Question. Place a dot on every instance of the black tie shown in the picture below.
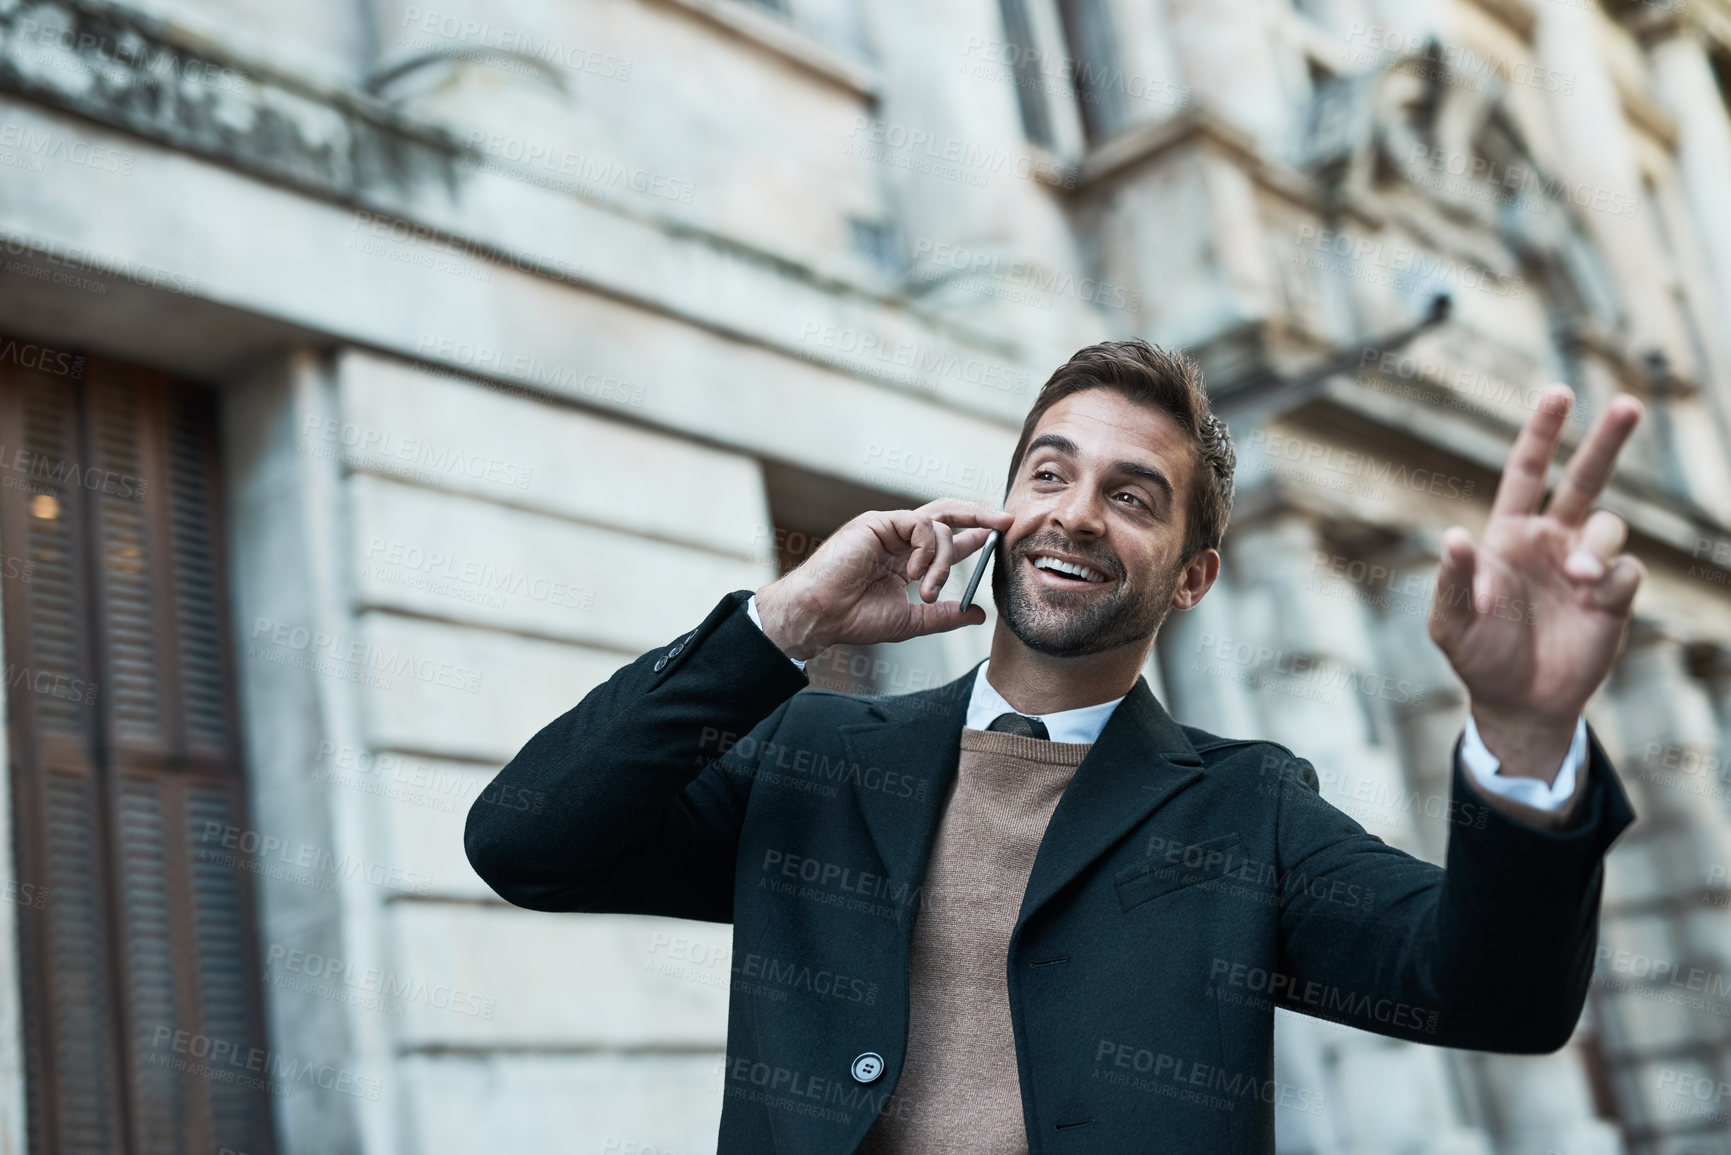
(1013, 723)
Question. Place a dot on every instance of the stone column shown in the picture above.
(1397, 583)
(1305, 649)
(1665, 954)
(1595, 154)
(286, 510)
(1684, 79)
(1532, 1105)
(1321, 689)
(1218, 705)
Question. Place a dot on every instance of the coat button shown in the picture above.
(661, 663)
(674, 652)
(867, 1067)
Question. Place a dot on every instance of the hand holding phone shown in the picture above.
(854, 588)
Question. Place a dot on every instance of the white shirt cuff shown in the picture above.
(751, 611)
(1483, 766)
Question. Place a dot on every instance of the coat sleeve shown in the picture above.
(631, 802)
(1493, 953)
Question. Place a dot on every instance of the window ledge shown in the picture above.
(786, 41)
(1144, 142)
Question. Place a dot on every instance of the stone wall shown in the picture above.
(535, 321)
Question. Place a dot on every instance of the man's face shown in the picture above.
(1104, 485)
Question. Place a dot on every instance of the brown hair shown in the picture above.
(1171, 383)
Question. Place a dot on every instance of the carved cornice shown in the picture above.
(127, 70)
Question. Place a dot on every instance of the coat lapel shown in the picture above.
(1140, 760)
(921, 737)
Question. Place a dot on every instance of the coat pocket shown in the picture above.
(1198, 862)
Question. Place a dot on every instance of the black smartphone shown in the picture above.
(986, 552)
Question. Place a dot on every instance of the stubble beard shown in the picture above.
(1076, 623)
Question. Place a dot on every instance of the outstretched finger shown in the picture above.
(1452, 611)
(1590, 468)
(1523, 481)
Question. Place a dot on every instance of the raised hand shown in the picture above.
(1532, 618)
(854, 588)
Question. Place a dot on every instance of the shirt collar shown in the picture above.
(1082, 724)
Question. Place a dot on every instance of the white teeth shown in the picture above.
(1057, 565)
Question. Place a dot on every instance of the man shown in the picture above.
(1028, 910)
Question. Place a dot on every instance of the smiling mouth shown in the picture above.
(1061, 574)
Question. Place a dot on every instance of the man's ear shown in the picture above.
(1196, 579)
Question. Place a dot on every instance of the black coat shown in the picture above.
(1187, 885)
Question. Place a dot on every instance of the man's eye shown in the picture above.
(1135, 499)
(1044, 473)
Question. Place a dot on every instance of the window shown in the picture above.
(1030, 91)
(844, 668)
(1098, 78)
(139, 972)
(806, 508)
(1073, 90)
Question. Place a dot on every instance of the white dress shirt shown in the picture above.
(1084, 724)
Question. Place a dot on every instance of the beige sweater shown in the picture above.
(959, 1092)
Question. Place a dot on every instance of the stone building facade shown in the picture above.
(533, 327)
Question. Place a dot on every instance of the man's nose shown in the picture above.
(1079, 514)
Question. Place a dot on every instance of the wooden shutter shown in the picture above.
(141, 969)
